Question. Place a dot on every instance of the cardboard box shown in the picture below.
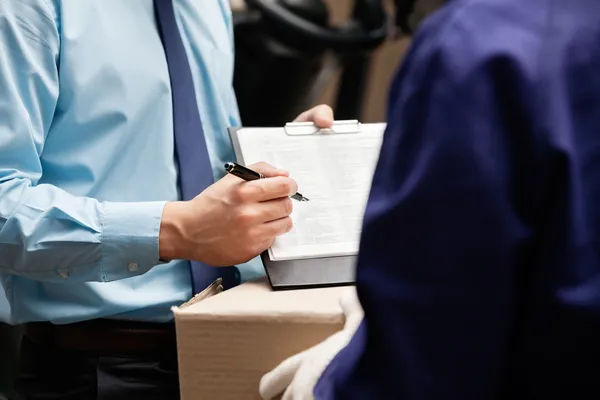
(226, 342)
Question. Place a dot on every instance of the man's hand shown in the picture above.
(230, 222)
(233, 221)
(297, 376)
(321, 115)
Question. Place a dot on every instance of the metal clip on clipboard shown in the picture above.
(309, 128)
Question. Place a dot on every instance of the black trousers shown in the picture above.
(10, 339)
(46, 372)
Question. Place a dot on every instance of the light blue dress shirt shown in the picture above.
(86, 153)
(4, 306)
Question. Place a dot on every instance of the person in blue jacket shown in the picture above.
(479, 270)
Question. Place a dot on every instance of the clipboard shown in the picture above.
(310, 272)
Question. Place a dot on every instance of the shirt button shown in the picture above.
(63, 274)
(132, 267)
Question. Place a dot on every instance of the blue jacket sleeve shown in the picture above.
(449, 226)
(45, 232)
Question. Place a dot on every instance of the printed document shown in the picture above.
(334, 171)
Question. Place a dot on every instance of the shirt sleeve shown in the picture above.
(46, 233)
(449, 225)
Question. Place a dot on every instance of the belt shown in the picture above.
(105, 337)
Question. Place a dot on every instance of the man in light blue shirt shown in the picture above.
(89, 194)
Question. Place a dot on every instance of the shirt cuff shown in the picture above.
(130, 234)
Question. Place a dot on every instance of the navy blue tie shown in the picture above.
(195, 171)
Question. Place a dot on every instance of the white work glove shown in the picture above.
(297, 376)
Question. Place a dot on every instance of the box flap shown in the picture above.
(213, 289)
(257, 301)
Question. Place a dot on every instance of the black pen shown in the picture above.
(248, 175)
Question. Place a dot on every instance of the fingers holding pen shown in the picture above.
(266, 189)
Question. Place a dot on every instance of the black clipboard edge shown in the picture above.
(309, 273)
(316, 272)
